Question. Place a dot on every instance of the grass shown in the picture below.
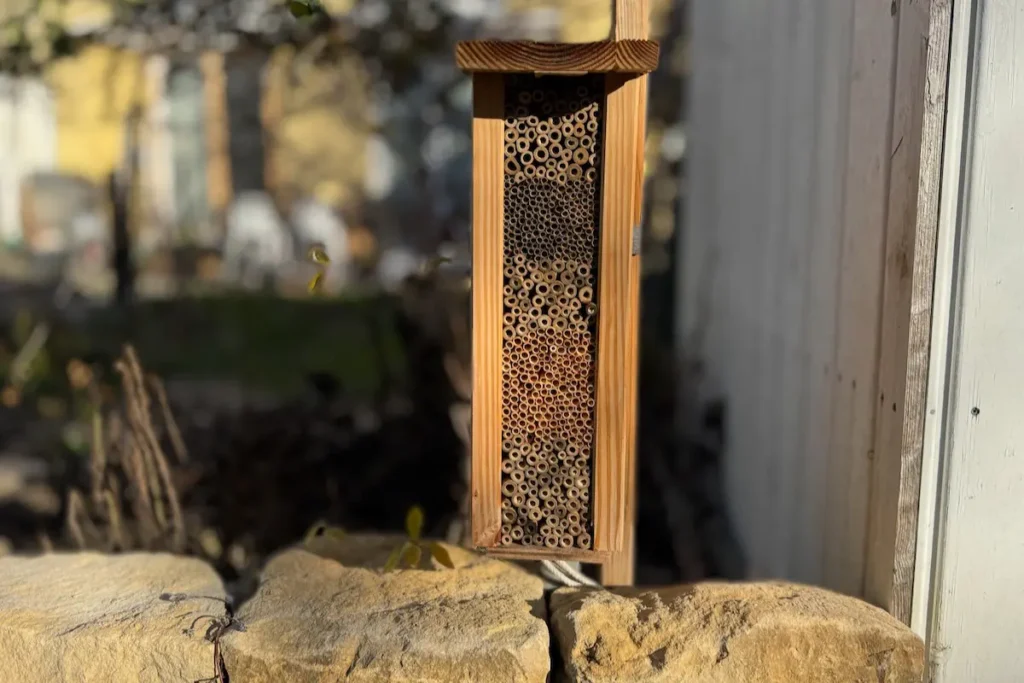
(264, 342)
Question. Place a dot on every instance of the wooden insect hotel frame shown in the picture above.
(558, 141)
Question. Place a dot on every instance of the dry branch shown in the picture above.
(128, 463)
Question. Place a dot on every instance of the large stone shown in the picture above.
(731, 633)
(92, 617)
(333, 615)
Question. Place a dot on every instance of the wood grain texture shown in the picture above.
(631, 19)
(919, 337)
(488, 245)
(615, 411)
(907, 291)
(525, 56)
(626, 115)
(934, 500)
(619, 569)
(616, 339)
(525, 553)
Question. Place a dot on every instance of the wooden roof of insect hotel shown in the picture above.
(557, 59)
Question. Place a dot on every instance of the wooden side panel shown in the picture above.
(909, 279)
(631, 20)
(618, 280)
(923, 287)
(619, 568)
(488, 218)
(520, 552)
(626, 117)
(949, 101)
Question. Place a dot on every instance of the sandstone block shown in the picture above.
(332, 615)
(731, 633)
(83, 617)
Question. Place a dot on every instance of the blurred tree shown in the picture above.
(417, 162)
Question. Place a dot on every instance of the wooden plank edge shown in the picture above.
(630, 20)
(525, 56)
(619, 570)
(539, 554)
(487, 249)
(615, 413)
(915, 396)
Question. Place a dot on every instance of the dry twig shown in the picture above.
(128, 463)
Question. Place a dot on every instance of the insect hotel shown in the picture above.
(558, 139)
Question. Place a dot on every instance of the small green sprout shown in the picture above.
(318, 256)
(410, 553)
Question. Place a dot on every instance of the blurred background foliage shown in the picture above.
(141, 142)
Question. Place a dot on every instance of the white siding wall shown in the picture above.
(28, 143)
(971, 553)
(781, 262)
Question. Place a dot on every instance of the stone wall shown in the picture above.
(327, 612)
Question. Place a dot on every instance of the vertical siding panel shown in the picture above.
(780, 267)
(860, 291)
(771, 467)
(746, 245)
(834, 33)
(794, 260)
(898, 294)
(978, 620)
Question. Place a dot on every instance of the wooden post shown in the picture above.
(488, 246)
(558, 135)
(626, 120)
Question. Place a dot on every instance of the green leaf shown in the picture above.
(392, 561)
(412, 555)
(440, 554)
(314, 284)
(414, 522)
